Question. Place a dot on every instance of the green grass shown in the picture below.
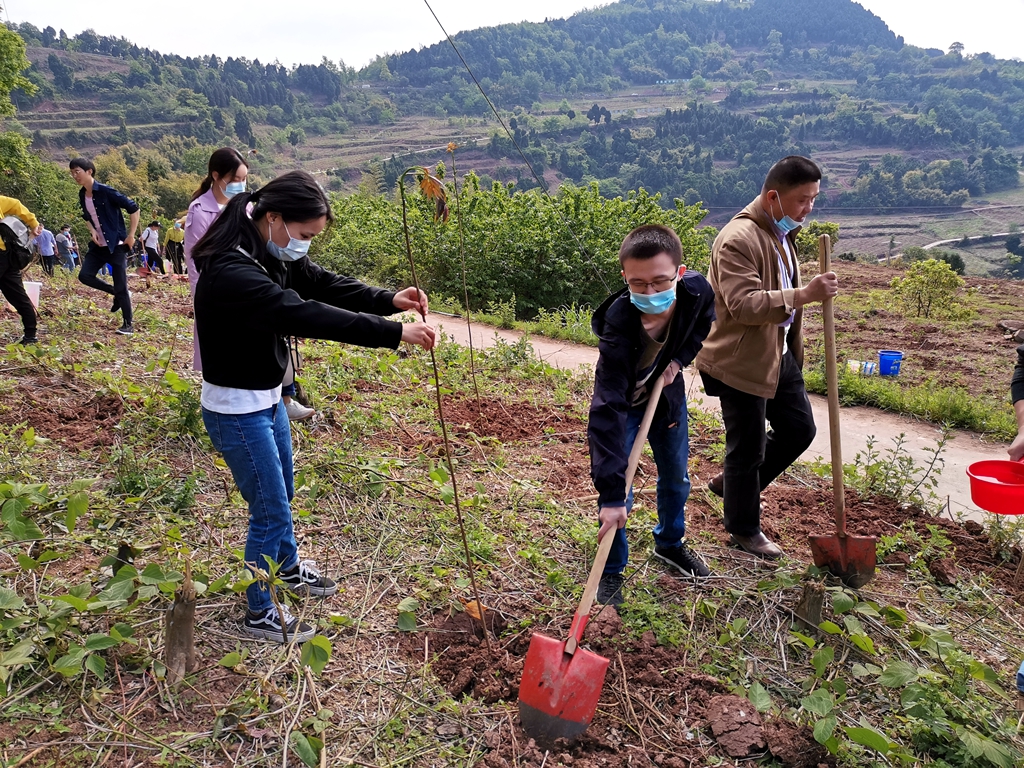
(945, 405)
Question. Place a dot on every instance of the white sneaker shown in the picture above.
(283, 628)
(297, 411)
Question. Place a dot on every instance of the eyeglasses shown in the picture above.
(661, 284)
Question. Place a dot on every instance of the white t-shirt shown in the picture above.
(238, 401)
(151, 238)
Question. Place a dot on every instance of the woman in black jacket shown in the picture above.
(256, 288)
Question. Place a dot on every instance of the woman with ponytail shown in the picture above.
(257, 287)
(225, 178)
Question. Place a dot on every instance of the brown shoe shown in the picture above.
(717, 485)
(759, 545)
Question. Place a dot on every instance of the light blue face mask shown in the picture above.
(653, 303)
(234, 188)
(786, 224)
(295, 250)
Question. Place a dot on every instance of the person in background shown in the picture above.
(150, 240)
(1017, 395)
(66, 248)
(753, 358)
(46, 244)
(256, 287)
(102, 208)
(11, 285)
(225, 178)
(174, 246)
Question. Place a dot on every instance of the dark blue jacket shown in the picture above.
(617, 325)
(109, 204)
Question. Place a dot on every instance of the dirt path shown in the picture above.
(859, 423)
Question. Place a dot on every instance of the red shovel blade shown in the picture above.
(558, 693)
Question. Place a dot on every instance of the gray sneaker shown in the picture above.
(275, 628)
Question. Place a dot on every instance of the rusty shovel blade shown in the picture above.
(558, 694)
(850, 558)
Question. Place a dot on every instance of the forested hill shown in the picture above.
(642, 41)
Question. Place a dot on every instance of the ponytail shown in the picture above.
(224, 162)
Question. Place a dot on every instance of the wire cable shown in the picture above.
(540, 182)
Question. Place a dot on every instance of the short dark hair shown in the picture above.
(647, 241)
(154, 223)
(791, 172)
(84, 164)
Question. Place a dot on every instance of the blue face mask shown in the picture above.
(653, 303)
(234, 188)
(295, 250)
(786, 224)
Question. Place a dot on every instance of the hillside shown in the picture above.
(692, 100)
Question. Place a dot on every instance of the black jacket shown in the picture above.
(1017, 383)
(617, 324)
(108, 203)
(244, 310)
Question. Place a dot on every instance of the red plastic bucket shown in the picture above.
(998, 486)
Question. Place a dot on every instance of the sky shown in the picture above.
(356, 31)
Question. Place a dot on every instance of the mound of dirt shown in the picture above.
(794, 745)
(509, 421)
(66, 417)
(736, 726)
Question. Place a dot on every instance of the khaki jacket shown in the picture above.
(744, 348)
(11, 207)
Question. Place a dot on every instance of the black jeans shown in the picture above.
(93, 262)
(176, 254)
(48, 264)
(14, 291)
(754, 457)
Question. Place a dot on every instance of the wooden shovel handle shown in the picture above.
(579, 621)
(832, 378)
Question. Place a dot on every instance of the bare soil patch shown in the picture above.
(69, 416)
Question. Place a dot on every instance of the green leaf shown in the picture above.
(122, 631)
(810, 642)
(18, 654)
(864, 643)
(315, 654)
(820, 702)
(78, 505)
(96, 664)
(70, 664)
(759, 697)
(898, 674)
(870, 738)
(843, 602)
(219, 584)
(824, 728)
(26, 562)
(98, 642)
(10, 600)
(408, 605)
(407, 621)
(75, 602)
(822, 659)
(306, 751)
(830, 627)
(231, 660)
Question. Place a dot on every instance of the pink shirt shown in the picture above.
(90, 206)
(203, 211)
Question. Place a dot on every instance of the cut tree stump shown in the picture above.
(180, 622)
(808, 611)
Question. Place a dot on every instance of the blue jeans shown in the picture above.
(94, 260)
(258, 449)
(671, 447)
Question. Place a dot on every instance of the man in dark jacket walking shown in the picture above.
(102, 208)
(653, 327)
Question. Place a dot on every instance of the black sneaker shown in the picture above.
(125, 330)
(28, 338)
(683, 559)
(609, 590)
(304, 577)
(267, 625)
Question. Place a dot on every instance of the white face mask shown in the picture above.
(295, 250)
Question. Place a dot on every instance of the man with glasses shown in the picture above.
(753, 358)
(652, 328)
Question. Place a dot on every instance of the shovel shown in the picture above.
(850, 558)
(561, 681)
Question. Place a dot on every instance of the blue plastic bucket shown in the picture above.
(889, 362)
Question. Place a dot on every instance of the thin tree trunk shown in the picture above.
(179, 645)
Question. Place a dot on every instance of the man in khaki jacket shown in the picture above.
(753, 357)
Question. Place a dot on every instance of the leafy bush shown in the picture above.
(929, 289)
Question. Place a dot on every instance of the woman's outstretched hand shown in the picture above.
(411, 298)
(419, 333)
